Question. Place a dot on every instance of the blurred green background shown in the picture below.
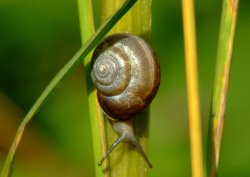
(38, 37)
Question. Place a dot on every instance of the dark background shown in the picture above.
(38, 37)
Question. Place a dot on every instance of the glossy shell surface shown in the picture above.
(126, 74)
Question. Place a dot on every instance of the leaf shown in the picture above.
(62, 74)
(222, 73)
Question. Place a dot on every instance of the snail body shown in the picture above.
(126, 74)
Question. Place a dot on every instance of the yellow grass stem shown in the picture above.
(192, 88)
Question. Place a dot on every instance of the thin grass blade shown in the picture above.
(66, 70)
(220, 90)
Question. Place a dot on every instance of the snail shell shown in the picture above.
(126, 74)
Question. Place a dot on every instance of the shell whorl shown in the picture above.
(111, 71)
(126, 74)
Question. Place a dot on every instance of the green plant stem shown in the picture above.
(95, 113)
(222, 72)
(65, 71)
(125, 160)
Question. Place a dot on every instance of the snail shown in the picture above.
(126, 73)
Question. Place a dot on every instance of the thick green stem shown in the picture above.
(218, 107)
(125, 160)
(95, 113)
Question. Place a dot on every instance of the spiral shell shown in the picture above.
(126, 74)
